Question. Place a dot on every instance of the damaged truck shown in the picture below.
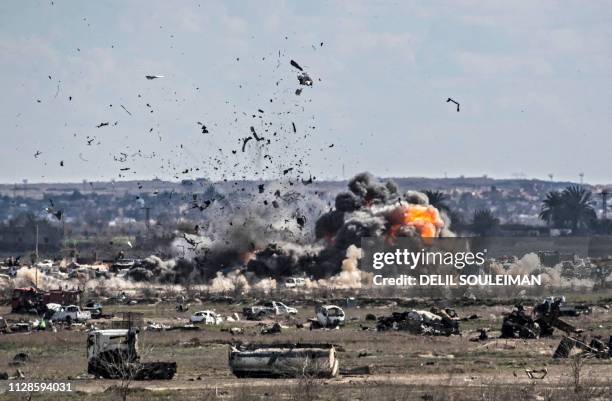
(113, 354)
(283, 360)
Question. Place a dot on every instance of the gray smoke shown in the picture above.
(274, 242)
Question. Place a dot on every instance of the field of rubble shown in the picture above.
(391, 364)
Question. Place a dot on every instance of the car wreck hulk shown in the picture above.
(540, 323)
(113, 354)
(437, 322)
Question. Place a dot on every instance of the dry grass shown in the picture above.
(405, 367)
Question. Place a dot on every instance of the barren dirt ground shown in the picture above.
(403, 366)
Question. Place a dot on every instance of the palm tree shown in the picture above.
(577, 203)
(570, 208)
(438, 199)
(552, 209)
(484, 222)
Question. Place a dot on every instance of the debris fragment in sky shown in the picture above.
(304, 79)
(261, 188)
(294, 130)
(453, 101)
(38, 153)
(287, 170)
(150, 77)
(204, 129)
(102, 125)
(245, 141)
(296, 65)
(257, 138)
(126, 110)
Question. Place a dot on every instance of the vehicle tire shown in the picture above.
(68, 320)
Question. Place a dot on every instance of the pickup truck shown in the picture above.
(70, 313)
(266, 309)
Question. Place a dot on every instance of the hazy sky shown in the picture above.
(533, 79)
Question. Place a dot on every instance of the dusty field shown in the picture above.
(404, 366)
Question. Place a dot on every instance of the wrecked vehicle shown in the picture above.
(295, 282)
(95, 308)
(70, 313)
(596, 348)
(541, 323)
(283, 360)
(32, 300)
(266, 309)
(113, 354)
(442, 323)
(206, 317)
(328, 316)
(564, 309)
(518, 324)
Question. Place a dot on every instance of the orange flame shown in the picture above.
(424, 218)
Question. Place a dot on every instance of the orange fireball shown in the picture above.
(424, 218)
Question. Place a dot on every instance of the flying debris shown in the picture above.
(38, 153)
(203, 206)
(257, 138)
(301, 221)
(294, 129)
(150, 77)
(261, 188)
(126, 110)
(204, 129)
(296, 65)
(298, 91)
(61, 163)
(308, 181)
(102, 125)
(304, 79)
(453, 101)
(287, 170)
(245, 141)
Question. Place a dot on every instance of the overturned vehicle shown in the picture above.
(113, 354)
(283, 360)
(437, 322)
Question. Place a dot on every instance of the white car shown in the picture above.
(206, 317)
(45, 264)
(295, 282)
(330, 316)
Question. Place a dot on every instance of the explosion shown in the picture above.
(425, 219)
(260, 251)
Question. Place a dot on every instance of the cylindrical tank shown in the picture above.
(283, 360)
